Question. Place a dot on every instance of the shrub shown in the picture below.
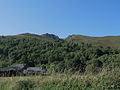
(25, 85)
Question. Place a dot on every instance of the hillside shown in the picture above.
(91, 66)
(56, 54)
(42, 37)
(107, 41)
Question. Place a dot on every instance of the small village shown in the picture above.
(20, 70)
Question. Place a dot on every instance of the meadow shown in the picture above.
(103, 81)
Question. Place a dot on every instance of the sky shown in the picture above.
(60, 17)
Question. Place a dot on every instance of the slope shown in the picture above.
(107, 41)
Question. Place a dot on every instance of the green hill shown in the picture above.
(42, 37)
(108, 41)
(60, 55)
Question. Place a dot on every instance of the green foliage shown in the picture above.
(4, 63)
(25, 85)
(56, 54)
(103, 81)
(62, 56)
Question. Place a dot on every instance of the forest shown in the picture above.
(58, 55)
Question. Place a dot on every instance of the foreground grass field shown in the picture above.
(102, 81)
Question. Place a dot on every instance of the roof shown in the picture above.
(19, 66)
(6, 68)
(13, 67)
(35, 69)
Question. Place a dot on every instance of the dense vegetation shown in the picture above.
(102, 81)
(56, 54)
(72, 66)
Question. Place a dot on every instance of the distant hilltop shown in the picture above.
(108, 41)
(47, 35)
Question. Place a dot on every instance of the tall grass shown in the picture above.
(102, 81)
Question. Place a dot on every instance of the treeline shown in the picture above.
(57, 55)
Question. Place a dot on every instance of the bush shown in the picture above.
(25, 85)
(94, 67)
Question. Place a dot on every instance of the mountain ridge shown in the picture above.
(109, 41)
(106, 41)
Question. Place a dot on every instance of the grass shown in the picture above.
(101, 81)
(108, 41)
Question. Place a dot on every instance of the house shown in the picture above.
(7, 71)
(34, 71)
(19, 67)
(14, 70)
(21, 70)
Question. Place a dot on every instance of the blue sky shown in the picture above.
(60, 17)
